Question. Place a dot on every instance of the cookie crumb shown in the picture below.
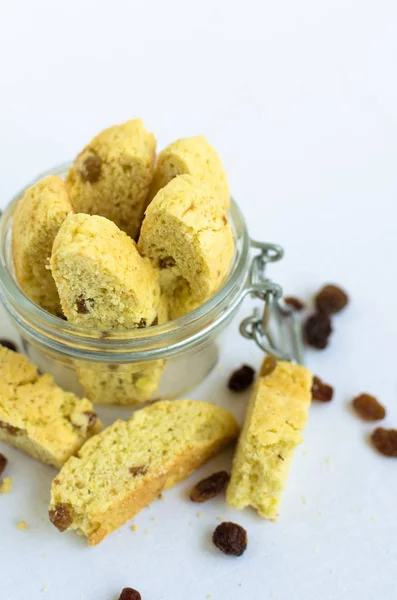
(44, 588)
(331, 299)
(321, 391)
(199, 515)
(304, 499)
(134, 527)
(294, 303)
(6, 485)
(153, 518)
(22, 525)
(209, 487)
(230, 538)
(220, 519)
(368, 407)
(385, 441)
(317, 329)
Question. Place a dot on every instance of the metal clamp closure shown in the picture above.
(276, 329)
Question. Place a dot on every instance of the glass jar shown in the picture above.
(134, 366)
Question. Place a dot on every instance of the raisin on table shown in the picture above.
(317, 330)
(321, 391)
(368, 407)
(385, 441)
(331, 299)
(241, 379)
(230, 538)
(209, 487)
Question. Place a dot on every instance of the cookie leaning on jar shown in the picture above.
(187, 235)
(37, 219)
(105, 284)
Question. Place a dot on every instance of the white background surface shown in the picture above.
(300, 100)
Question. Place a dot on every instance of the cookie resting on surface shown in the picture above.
(124, 468)
(277, 413)
(38, 417)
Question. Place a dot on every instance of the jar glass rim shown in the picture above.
(76, 340)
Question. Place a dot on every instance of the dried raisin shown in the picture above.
(331, 300)
(81, 304)
(385, 441)
(92, 419)
(317, 330)
(167, 262)
(141, 470)
(241, 379)
(230, 538)
(61, 517)
(369, 408)
(294, 303)
(210, 487)
(129, 594)
(8, 344)
(3, 463)
(268, 366)
(321, 391)
(91, 169)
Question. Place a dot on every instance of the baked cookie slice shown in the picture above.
(112, 175)
(123, 384)
(123, 469)
(187, 235)
(276, 415)
(192, 156)
(102, 280)
(36, 221)
(38, 417)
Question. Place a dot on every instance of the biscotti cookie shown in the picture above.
(123, 469)
(276, 415)
(118, 384)
(39, 418)
(192, 156)
(112, 175)
(36, 221)
(187, 235)
(102, 280)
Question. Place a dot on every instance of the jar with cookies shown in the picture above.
(121, 269)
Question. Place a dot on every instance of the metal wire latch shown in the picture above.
(277, 329)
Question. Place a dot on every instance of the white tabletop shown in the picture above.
(300, 100)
